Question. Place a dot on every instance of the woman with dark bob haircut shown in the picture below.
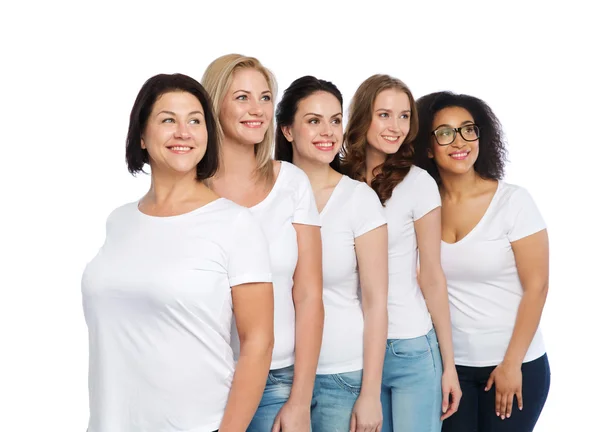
(495, 257)
(175, 268)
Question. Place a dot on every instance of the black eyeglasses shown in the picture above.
(445, 135)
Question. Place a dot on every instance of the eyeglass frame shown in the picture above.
(455, 130)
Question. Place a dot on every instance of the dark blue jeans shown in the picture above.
(477, 410)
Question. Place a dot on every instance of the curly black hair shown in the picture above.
(492, 149)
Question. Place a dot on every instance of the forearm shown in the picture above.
(309, 334)
(526, 324)
(436, 296)
(248, 385)
(375, 339)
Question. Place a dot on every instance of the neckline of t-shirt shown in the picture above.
(483, 218)
(332, 196)
(275, 186)
(174, 217)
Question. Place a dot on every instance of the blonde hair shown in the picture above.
(217, 79)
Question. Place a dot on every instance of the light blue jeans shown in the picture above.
(411, 389)
(333, 400)
(277, 392)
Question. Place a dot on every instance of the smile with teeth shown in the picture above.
(179, 148)
(324, 145)
(459, 155)
(252, 124)
(391, 139)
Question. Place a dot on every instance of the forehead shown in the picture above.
(247, 78)
(319, 100)
(454, 116)
(177, 101)
(392, 99)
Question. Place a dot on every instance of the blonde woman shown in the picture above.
(280, 196)
(420, 384)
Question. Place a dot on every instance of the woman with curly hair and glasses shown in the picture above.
(419, 384)
(495, 257)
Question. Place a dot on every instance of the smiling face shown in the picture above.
(175, 135)
(390, 122)
(247, 109)
(316, 133)
(458, 157)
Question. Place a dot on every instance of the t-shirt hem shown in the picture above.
(371, 227)
(411, 335)
(496, 362)
(211, 427)
(250, 278)
(280, 364)
(353, 366)
(514, 238)
(419, 215)
(302, 221)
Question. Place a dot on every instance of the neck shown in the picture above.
(237, 160)
(373, 159)
(319, 174)
(457, 186)
(168, 188)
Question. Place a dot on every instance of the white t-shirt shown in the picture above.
(412, 198)
(352, 210)
(291, 201)
(483, 284)
(157, 302)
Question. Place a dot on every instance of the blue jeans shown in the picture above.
(411, 389)
(277, 392)
(333, 399)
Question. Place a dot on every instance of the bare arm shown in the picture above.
(433, 285)
(308, 302)
(253, 309)
(531, 256)
(433, 281)
(372, 256)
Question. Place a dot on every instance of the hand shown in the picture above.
(509, 383)
(367, 414)
(451, 392)
(292, 418)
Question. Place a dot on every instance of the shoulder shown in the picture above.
(360, 190)
(122, 212)
(513, 194)
(290, 173)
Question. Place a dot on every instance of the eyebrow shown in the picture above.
(389, 110)
(320, 115)
(173, 114)
(248, 91)
(466, 122)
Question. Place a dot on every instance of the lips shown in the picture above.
(391, 138)
(324, 145)
(252, 124)
(461, 155)
(180, 149)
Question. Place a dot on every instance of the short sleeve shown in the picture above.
(306, 212)
(249, 259)
(524, 217)
(367, 211)
(426, 195)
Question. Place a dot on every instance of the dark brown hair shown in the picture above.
(397, 165)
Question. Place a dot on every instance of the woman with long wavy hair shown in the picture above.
(419, 384)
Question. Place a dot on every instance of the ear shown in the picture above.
(287, 133)
(143, 144)
(429, 153)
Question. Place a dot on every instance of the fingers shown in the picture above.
(353, 423)
(455, 401)
(509, 404)
(520, 399)
(498, 402)
(490, 382)
(445, 401)
(277, 424)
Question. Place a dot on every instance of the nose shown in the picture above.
(327, 130)
(182, 131)
(395, 125)
(458, 142)
(256, 109)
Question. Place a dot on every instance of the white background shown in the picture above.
(69, 76)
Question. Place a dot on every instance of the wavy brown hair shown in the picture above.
(354, 163)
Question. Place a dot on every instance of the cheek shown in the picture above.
(372, 132)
